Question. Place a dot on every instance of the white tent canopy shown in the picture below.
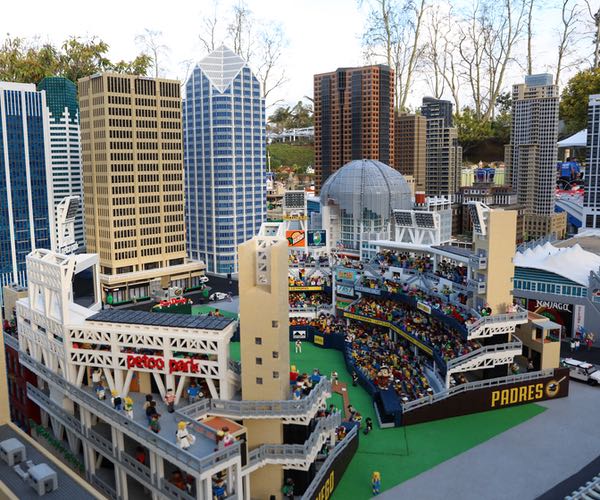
(578, 140)
(573, 263)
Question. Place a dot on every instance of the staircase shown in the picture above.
(295, 456)
(497, 324)
(484, 357)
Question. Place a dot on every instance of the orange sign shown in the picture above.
(296, 238)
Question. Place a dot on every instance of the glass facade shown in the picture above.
(65, 148)
(24, 217)
(224, 157)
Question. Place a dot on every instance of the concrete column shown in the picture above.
(121, 482)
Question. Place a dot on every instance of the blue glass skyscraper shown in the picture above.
(24, 168)
(224, 157)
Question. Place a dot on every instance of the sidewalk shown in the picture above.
(524, 462)
(582, 354)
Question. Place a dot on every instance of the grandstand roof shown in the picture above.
(573, 263)
(588, 239)
(578, 140)
(160, 319)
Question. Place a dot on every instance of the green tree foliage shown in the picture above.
(471, 129)
(26, 61)
(574, 99)
(300, 116)
(287, 154)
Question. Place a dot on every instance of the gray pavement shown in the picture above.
(521, 463)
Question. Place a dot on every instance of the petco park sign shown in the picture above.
(158, 364)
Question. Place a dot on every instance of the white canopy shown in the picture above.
(578, 140)
(573, 263)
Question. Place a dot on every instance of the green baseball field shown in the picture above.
(401, 453)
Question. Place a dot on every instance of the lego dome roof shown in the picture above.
(367, 184)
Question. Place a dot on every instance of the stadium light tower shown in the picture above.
(66, 212)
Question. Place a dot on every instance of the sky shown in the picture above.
(322, 35)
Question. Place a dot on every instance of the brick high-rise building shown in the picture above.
(410, 135)
(532, 154)
(354, 118)
(132, 153)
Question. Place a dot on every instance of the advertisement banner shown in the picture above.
(493, 397)
(344, 274)
(559, 312)
(299, 334)
(296, 238)
(318, 340)
(316, 238)
(578, 317)
(424, 307)
(345, 290)
(305, 288)
(366, 289)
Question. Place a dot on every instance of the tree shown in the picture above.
(574, 99)
(488, 42)
(393, 35)
(595, 19)
(150, 41)
(27, 61)
(569, 16)
(471, 129)
(259, 42)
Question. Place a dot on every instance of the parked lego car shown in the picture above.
(580, 370)
(218, 296)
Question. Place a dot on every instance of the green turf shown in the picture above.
(402, 453)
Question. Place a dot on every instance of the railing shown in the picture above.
(589, 490)
(471, 386)
(103, 445)
(320, 475)
(167, 449)
(476, 286)
(519, 316)
(479, 261)
(234, 366)
(173, 491)
(453, 363)
(295, 452)
(104, 486)
(259, 409)
(11, 341)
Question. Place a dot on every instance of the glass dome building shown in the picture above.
(359, 198)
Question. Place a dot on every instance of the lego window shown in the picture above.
(259, 380)
(258, 340)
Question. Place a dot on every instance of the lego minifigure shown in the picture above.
(184, 438)
(376, 483)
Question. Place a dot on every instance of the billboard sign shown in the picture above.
(316, 238)
(296, 238)
(559, 312)
(345, 290)
(344, 274)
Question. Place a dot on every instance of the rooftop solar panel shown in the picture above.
(160, 319)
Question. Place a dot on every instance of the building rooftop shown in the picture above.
(221, 67)
(67, 486)
(160, 319)
(572, 262)
(588, 240)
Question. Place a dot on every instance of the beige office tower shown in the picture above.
(410, 135)
(494, 234)
(264, 338)
(532, 154)
(133, 185)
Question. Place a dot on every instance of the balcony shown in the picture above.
(477, 286)
(478, 261)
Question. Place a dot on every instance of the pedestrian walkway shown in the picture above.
(523, 462)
